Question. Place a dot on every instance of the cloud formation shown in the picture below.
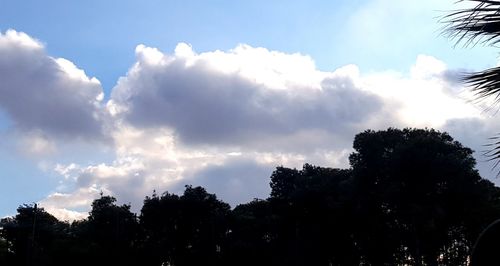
(221, 119)
(246, 96)
(47, 97)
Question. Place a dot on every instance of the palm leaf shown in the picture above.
(493, 152)
(480, 24)
(484, 85)
(477, 24)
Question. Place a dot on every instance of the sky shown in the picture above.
(131, 97)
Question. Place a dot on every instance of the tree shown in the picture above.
(107, 236)
(313, 223)
(252, 234)
(418, 191)
(203, 227)
(5, 253)
(411, 197)
(159, 221)
(34, 237)
(186, 230)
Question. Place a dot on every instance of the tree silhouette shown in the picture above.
(418, 191)
(313, 216)
(5, 253)
(185, 230)
(107, 236)
(410, 197)
(253, 234)
(159, 221)
(34, 236)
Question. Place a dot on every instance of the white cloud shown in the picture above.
(244, 96)
(20, 39)
(47, 96)
(221, 119)
(64, 214)
(424, 97)
(71, 206)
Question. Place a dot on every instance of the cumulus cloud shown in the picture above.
(425, 97)
(221, 119)
(44, 96)
(246, 96)
(150, 160)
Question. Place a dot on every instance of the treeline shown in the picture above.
(410, 197)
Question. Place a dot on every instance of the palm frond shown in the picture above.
(473, 25)
(480, 24)
(484, 85)
(493, 152)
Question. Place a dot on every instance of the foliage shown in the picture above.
(411, 197)
(480, 24)
(34, 236)
(422, 188)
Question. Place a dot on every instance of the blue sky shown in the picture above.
(100, 36)
(206, 92)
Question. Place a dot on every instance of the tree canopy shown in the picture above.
(410, 197)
